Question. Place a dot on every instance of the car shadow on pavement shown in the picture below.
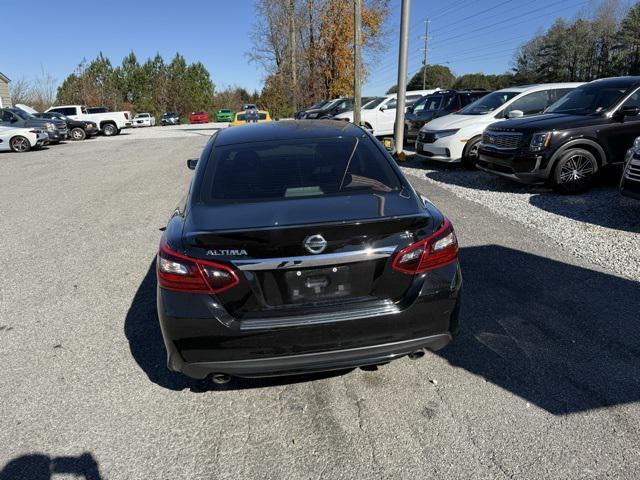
(562, 337)
(37, 466)
(142, 330)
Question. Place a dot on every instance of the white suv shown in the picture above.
(379, 115)
(455, 138)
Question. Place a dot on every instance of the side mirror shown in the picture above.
(629, 111)
(383, 108)
(515, 114)
(191, 163)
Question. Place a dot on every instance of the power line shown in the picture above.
(475, 15)
(447, 10)
(465, 56)
(387, 66)
(446, 39)
(461, 38)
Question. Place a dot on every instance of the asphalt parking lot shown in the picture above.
(543, 381)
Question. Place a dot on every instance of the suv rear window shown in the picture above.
(277, 170)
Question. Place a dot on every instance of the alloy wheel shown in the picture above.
(20, 144)
(576, 169)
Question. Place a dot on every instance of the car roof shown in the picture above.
(286, 130)
(540, 86)
(617, 81)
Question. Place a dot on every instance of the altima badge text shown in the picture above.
(230, 253)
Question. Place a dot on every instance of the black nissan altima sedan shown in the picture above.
(301, 247)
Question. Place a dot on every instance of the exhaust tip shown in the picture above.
(220, 378)
(417, 354)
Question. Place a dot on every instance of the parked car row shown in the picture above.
(377, 115)
(559, 134)
(22, 128)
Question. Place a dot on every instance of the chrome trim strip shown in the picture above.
(315, 260)
(495, 147)
(386, 308)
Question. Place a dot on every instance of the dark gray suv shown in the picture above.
(54, 128)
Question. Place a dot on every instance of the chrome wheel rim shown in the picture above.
(77, 135)
(20, 144)
(577, 168)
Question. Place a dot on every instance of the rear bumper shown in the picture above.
(206, 341)
(317, 362)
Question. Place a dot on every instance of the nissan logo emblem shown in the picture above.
(315, 244)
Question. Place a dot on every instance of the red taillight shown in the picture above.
(126, 115)
(184, 274)
(435, 251)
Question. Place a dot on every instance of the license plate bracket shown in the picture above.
(318, 283)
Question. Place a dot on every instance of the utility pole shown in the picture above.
(292, 48)
(402, 76)
(357, 61)
(425, 50)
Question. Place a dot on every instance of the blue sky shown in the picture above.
(217, 34)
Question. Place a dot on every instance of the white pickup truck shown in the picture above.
(110, 123)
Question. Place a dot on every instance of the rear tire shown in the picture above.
(19, 144)
(109, 130)
(574, 172)
(470, 153)
(78, 134)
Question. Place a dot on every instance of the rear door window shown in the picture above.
(278, 170)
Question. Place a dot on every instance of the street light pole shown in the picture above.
(357, 61)
(402, 75)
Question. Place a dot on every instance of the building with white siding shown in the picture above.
(5, 97)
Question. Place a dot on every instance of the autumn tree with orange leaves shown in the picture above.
(321, 52)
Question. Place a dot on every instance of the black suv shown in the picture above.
(591, 127)
(438, 104)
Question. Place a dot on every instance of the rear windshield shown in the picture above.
(277, 170)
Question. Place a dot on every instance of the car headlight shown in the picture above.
(636, 145)
(444, 133)
(540, 141)
(50, 127)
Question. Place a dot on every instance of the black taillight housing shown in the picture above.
(437, 250)
(181, 273)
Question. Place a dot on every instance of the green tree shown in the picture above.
(481, 80)
(628, 52)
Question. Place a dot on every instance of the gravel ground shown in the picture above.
(542, 383)
(600, 226)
